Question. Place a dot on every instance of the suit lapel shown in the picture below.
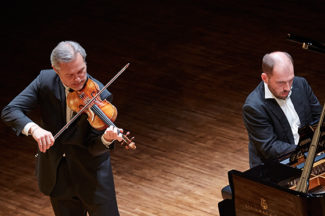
(60, 95)
(274, 107)
(277, 111)
(297, 103)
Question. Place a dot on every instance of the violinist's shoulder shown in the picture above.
(48, 72)
(95, 80)
(48, 78)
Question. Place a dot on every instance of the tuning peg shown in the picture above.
(132, 146)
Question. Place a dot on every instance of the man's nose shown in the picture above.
(76, 78)
(287, 86)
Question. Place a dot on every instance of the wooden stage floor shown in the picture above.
(192, 65)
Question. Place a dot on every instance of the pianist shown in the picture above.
(276, 108)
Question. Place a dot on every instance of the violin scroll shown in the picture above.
(128, 142)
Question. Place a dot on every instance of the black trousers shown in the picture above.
(65, 202)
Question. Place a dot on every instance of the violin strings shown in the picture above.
(103, 117)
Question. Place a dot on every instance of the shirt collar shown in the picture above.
(67, 89)
(269, 94)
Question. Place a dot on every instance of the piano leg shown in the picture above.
(226, 208)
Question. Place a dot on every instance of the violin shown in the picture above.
(101, 113)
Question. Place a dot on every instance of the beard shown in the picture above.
(280, 95)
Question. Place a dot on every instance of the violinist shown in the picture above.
(74, 170)
(275, 110)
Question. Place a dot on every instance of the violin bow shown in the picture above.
(90, 101)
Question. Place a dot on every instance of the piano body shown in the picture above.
(270, 189)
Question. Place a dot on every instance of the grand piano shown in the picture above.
(275, 189)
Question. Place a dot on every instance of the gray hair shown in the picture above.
(66, 51)
(269, 61)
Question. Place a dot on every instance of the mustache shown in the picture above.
(80, 82)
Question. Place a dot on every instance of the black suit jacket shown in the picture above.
(269, 132)
(87, 158)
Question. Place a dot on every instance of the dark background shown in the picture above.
(168, 43)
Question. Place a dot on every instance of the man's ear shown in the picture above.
(264, 77)
(55, 69)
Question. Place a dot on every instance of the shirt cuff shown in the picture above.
(105, 142)
(27, 127)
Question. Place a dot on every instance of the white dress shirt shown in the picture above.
(289, 111)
